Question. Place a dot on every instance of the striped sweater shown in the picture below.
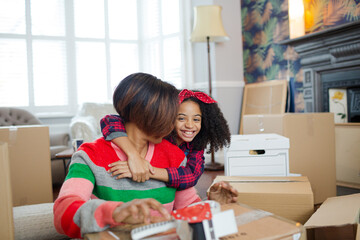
(89, 195)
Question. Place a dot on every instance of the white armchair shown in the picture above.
(86, 124)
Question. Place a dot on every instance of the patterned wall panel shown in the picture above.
(265, 23)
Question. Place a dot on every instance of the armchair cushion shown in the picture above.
(59, 139)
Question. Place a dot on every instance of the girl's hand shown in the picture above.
(223, 193)
(138, 211)
(140, 168)
(120, 168)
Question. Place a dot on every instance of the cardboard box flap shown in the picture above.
(258, 141)
(269, 185)
(262, 179)
(336, 211)
(257, 224)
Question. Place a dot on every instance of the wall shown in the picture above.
(264, 25)
(226, 63)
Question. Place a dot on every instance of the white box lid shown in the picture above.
(258, 142)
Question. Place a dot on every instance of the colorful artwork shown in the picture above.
(323, 14)
(265, 23)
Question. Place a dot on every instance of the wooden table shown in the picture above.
(202, 186)
(65, 155)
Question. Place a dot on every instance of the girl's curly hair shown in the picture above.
(214, 127)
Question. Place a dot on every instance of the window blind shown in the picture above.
(57, 54)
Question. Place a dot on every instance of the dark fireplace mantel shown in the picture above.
(332, 51)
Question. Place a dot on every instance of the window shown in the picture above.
(56, 54)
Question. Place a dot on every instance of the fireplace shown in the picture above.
(330, 59)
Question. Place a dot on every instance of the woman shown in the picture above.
(90, 199)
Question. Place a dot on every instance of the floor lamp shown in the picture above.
(208, 27)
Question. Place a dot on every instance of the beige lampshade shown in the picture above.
(208, 23)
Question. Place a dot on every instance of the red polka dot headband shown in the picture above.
(184, 94)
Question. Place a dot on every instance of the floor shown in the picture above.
(208, 176)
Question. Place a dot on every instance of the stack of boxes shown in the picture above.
(312, 146)
(285, 164)
(257, 165)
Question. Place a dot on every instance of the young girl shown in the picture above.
(199, 122)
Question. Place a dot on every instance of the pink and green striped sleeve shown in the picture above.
(74, 213)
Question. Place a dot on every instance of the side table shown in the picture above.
(65, 155)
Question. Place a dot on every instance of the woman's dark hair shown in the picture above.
(148, 102)
(214, 127)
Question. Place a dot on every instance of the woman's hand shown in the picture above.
(223, 193)
(138, 211)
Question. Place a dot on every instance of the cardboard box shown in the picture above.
(348, 154)
(257, 155)
(312, 146)
(257, 224)
(288, 197)
(30, 163)
(337, 218)
(6, 216)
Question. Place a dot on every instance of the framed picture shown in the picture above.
(338, 104)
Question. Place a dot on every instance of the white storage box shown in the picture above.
(257, 155)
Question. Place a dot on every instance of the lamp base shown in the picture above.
(213, 166)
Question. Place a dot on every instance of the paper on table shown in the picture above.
(220, 225)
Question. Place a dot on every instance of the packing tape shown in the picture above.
(261, 123)
(270, 100)
(12, 135)
(251, 216)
